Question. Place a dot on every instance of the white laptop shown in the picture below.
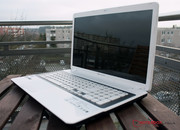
(112, 61)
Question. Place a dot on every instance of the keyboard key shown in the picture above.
(103, 102)
(114, 97)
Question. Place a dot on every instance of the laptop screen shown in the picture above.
(115, 44)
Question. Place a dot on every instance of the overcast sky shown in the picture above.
(64, 9)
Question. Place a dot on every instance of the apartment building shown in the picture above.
(59, 34)
(12, 31)
(169, 37)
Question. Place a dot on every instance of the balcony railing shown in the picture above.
(28, 57)
(6, 51)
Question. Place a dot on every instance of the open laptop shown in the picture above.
(112, 61)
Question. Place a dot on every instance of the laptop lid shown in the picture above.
(116, 45)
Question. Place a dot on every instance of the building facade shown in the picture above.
(169, 37)
(59, 34)
(12, 31)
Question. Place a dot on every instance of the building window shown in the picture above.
(53, 38)
(163, 40)
(68, 38)
(53, 31)
(163, 32)
(171, 32)
(169, 40)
